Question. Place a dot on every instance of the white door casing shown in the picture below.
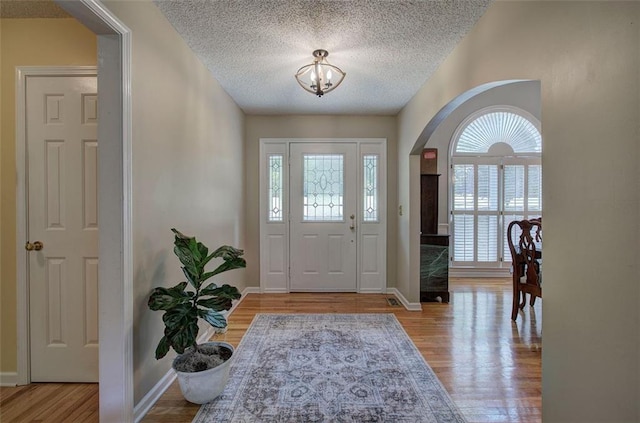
(115, 199)
(61, 138)
(322, 197)
(280, 257)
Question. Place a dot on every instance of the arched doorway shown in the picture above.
(524, 95)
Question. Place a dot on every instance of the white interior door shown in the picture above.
(323, 181)
(61, 128)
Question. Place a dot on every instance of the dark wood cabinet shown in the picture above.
(429, 204)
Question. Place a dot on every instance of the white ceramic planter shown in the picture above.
(205, 386)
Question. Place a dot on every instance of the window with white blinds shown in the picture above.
(489, 190)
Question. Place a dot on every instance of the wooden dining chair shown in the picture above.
(525, 243)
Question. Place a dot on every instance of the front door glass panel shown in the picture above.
(323, 186)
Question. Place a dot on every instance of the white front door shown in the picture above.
(61, 128)
(323, 181)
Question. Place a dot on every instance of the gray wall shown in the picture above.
(586, 55)
(187, 169)
(190, 163)
(305, 126)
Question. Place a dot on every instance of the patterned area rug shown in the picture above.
(299, 368)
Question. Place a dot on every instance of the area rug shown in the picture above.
(299, 368)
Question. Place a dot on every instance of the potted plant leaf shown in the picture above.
(202, 369)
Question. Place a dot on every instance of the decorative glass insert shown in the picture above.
(323, 187)
(370, 179)
(499, 127)
(275, 188)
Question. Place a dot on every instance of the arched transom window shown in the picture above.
(496, 178)
(500, 127)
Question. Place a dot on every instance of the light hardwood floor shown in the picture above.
(490, 365)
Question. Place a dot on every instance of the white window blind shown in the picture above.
(463, 237)
(499, 127)
(464, 187)
(535, 188)
(488, 195)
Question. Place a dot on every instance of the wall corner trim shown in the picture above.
(409, 306)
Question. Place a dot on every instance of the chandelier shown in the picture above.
(320, 77)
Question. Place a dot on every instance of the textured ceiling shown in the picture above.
(31, 9)
(387, 48)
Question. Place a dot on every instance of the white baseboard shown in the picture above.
(8, 379)
(371, 291)
(273, 291)
(142, 408)
(409, 306)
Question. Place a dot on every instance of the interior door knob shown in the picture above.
(37, 245)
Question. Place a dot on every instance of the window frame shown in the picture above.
(476, 159)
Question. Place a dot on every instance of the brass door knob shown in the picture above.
(33, 246)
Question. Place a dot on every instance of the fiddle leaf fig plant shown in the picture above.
(192, 299)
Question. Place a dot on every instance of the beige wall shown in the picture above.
(302, 126)
(26, 42)
(586, 55)
(188, 169)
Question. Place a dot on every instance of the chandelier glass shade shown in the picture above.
(320, 77)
